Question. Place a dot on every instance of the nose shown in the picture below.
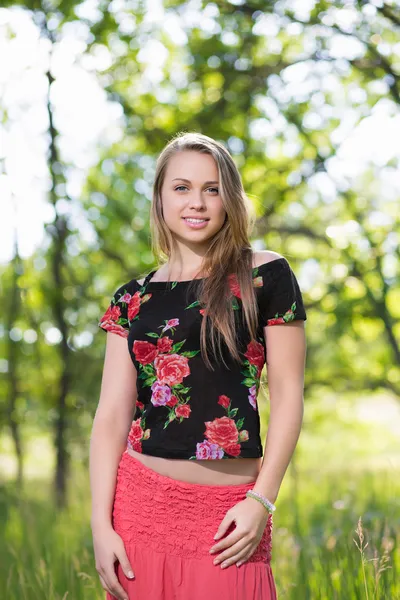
(196, 200)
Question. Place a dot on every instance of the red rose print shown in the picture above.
(224, 401)
(133, 306)
(137, 446)
(145, 352)
(115, 328)
(172, 401)
(139, 405)
(171, 368)
(255, 355)
(258, 282)
(183, 410)
(113, 313)
(202, 311)
(109, 321)
(222, 431)
(277, 321)
(233, 449)
(234, 285)
(164, 344)
(136, 431)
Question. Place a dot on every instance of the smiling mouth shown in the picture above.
(194, 220)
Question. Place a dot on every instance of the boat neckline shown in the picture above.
(164, 282)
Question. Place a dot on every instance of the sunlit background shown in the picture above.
(306, 97)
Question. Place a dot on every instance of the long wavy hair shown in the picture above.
(229, 258)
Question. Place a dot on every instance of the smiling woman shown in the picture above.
(176, 456)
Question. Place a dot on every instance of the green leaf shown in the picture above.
(239, 423)
(195, 303)
(190, 353)
(176, 347)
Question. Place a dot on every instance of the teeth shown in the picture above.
(195, 220)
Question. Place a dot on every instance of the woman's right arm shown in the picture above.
(110, 430)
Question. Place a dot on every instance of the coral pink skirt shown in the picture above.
(167, 526)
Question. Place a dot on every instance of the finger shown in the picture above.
(116, 588)
(245, 558)
(242, 561)
(104, 585)
(124, 562)
(234, 553)
(227, 542)
(224, 525)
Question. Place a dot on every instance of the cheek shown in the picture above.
(171, 207)
(219, 213)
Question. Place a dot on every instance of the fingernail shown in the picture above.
(130, 574)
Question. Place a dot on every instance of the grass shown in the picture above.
(336, 532)
(337, 538)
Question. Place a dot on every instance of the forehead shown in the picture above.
(192, 167)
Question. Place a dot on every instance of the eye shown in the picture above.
(184, 186)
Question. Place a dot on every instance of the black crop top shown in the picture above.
(184, 410)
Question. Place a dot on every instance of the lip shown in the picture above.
(195, 225)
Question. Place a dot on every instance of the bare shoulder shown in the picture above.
(262, 257)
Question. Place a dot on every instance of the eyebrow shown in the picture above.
(188, 180)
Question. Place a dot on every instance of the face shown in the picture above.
(191, 191)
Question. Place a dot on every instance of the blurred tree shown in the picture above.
(283, 85)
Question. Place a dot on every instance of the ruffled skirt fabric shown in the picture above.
(167, 526)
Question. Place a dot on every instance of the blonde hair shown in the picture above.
(229, 251)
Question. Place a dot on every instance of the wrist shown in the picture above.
(266, 503)
(259, 508)
(271, 497)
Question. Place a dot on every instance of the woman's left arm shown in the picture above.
(286, 354)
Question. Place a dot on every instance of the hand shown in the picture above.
(251, 518)
(109, 547)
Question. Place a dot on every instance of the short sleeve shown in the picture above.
(281, 300)
(122, 309)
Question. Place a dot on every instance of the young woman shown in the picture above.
(180, 493)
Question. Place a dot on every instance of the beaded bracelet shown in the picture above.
(264, 501)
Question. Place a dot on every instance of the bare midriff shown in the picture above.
(234, 471)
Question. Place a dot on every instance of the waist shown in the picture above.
(232, 471)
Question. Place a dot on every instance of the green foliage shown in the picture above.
(48, 553)
(234, 72)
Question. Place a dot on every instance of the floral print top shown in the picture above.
(183, 410)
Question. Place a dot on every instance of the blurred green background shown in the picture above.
(306, 97)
